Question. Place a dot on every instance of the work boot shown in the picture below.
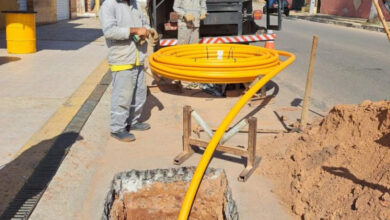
(140, 126)
(123, 136)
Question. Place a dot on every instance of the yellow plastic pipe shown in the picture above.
(201, 63)
(172, 62)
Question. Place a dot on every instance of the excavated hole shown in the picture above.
(158, 194)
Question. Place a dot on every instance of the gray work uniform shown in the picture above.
(129, 88)
(188, 32)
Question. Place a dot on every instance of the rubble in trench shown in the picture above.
(158, 194)
(339, 168)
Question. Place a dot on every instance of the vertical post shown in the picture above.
(381, 17)
(97, 8)
(239, 24)
(187, 150)
(306, 99)
(312, 7)
(187, 128)
(251, 153)
(268, 14)
(280, 4)
(154, 15)
(252, 141)
(263, 92)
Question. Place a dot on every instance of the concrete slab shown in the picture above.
(33, 86)
(79, 188)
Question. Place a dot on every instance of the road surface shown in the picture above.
(352, 65)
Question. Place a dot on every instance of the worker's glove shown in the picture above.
(189, 17)
(203, 16)
(142, 42)
(153, 37)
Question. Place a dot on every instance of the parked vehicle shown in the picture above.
(227, 21)
(273, 6)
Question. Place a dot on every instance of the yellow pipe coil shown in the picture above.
(206, 63)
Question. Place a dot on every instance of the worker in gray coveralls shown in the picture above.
(190, 12)
(124, 27)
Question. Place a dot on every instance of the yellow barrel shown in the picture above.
(20, 32)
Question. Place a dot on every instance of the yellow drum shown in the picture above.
(20, 32)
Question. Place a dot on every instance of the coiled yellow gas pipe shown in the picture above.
(218, 63)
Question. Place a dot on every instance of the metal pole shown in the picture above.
(154, 15)
(268, 14)
(306, 99)
(280, 14)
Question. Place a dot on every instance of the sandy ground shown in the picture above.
(78, 190)
(337, 169)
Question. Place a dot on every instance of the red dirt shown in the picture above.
(163, 201)
(338, 168)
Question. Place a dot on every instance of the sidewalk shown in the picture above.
(359, 23)
(40, 93)
(34, 86)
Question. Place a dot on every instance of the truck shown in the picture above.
(227, 21)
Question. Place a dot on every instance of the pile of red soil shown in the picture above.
(338, 168)
(163, 201)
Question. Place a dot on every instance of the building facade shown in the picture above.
(351, 8)
(345, 8)
(48, 11)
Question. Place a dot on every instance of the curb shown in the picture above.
(56, 124)
(49, 146)
(340, 23)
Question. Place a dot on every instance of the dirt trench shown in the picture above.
(158, 194)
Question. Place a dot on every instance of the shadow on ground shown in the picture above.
(345, 173)
(8, 59)
(297, 102)
(222, 156)
(151, 102)
(384, 140)
(25, 178)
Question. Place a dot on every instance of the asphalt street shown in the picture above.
(352, 65)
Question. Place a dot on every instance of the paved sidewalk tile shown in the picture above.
(359, 23)
(33, 86)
